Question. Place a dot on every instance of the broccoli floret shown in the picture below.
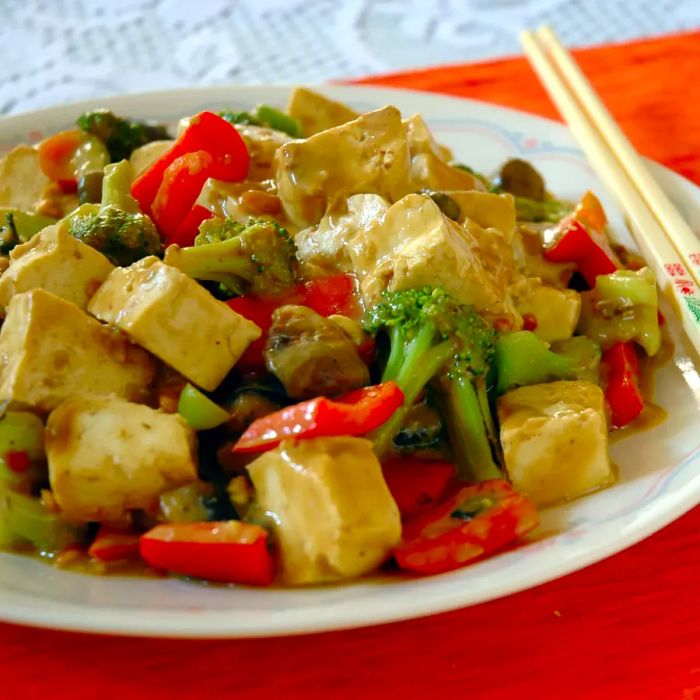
(550, 210)
(124, 237)
(121, 136)
(258, 257)
(435, 339)
(116, 228)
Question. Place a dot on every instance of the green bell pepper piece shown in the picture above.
(116, 187)
(200, 411)
(623, 306)
(584, 355)
(522, 359)
(24, 519)
(275, 119)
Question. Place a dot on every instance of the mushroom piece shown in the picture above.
(311, 355)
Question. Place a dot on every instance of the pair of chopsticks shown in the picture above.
(665, 240)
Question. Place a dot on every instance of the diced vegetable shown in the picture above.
(264, 115)
(24, 519)
(576, 244)
(219, 153)
(68, 155)
(623, 306)
(228, 552)
(522, 359)
(472, 523)
(112, 544)
(622, 392)
(356, 413)
(583, 354)
(200, 412)
(417, 484)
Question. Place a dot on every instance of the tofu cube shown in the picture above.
(57, 262)
(417, 245)
(555, 440)
(50, 350)
(556, 311)
(317, 112)
(175, 318)
(331, 509)
(107, 456)
(368, 155)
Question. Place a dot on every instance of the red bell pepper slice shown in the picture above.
(112, 544)
(355, 413)
(417, 484)
(17, 461)
(205, 132)
(330, 295)
(576, 244)
(189, 228)
(622, 393)
(589, 211)
(471, 524)
(229, 552)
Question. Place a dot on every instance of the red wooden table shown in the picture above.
(628, 627)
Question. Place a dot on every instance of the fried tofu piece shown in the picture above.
(333, 514)
(317, 112)
(431, 173)
(487, 209)
(420, 139)
(417, 245)
(555, 440)
(322, 249)
(50, 350)
(107, 456)
(57, 262)
(22, 181)
(556, 311)
(366, 155)
(262, 144)
(144, 156)
(175, 318)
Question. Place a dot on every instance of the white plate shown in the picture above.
(659, 469)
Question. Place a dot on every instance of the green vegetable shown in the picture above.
(22, 432)
(264, 115)
(199, 410)
(117, 228)
(19, 226)
(121, 136)
(258, 257)
(190, 503)
(24, 519)
(116, 187)
(551, 210)
(275, 119)
(523, 359)
(623, 306)
(432, 337)
(583, 354)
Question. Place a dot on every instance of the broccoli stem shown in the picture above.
(116, 187)
(462, 411)
(420, 364)
(222, 262)
(396, 354)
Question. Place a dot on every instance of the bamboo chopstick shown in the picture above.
(682, 237)
(675, 278)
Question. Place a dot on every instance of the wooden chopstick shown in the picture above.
(681, 235)
(675, 278)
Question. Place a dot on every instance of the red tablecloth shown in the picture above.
(628, 627)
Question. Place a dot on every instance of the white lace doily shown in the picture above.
(56, 51)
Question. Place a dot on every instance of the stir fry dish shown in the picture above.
(297, 346)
